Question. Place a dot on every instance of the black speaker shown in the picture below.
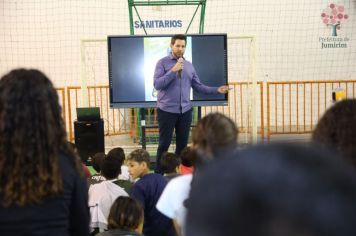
(89, 138)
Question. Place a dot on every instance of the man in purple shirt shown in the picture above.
(173, 78)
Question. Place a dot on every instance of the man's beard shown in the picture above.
(177, 55)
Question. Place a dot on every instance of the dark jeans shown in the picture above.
(167, 122)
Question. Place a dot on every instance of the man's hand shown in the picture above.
(178, 66)
(223, 89)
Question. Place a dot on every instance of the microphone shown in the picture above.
(180, 60)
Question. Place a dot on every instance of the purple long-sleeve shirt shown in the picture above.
(173, 92)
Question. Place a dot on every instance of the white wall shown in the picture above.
(46, 34)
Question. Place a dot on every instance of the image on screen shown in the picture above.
(156, 48)
(132, 61)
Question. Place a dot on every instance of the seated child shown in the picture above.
(102, 195)
(187, 159)
(147, 191)
(96, 163)
(169, 165)
(118, 154)
(125, 218)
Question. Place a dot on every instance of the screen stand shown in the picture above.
(199, 113)
(143, 128)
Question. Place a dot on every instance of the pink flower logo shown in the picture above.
(333, 16)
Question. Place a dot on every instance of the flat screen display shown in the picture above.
(132, 61)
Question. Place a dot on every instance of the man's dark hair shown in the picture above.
(169, 162)
(125, 214)
(273, 191)
(110, 168)
(337, 130)
(117, 153)
(178, 36)
(97, 160)
(32, 134)
(140, 155)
